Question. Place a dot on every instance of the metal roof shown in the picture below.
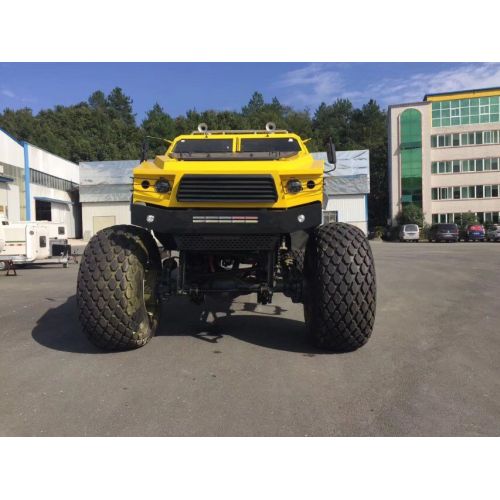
(351, 175)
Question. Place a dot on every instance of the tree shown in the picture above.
(465, 219)
(158, 124)
(411, 214)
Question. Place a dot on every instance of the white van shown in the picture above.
(409, 232)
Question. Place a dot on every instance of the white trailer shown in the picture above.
(34, 243)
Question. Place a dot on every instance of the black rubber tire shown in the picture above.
(340, 294)
(119, 269)
(298, 257)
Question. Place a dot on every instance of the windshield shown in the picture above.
(281, 144)
(411, 227)
(204, 146)
(447, 227)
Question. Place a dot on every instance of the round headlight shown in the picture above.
(311, 184)
(294, 186)
(162, 186)
(145, 184)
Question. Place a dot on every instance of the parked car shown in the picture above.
(409, 232)
(473, 232)
(493, 233)
(443, 232)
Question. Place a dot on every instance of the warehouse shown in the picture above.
(346, 188)
(105, 191)
(444, 156)
(37, 185)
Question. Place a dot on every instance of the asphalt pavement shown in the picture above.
(432, 366)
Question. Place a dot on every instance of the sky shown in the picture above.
(178, 87)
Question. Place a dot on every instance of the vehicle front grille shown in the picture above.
(227, 188)
(203, 242)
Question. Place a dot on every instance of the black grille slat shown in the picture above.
(225, 188)
(203, 243)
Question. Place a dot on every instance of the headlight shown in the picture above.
(162, 186)
(294, 186)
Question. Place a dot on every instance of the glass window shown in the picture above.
(474, 119)
(456, 139)
(494, 164)
(479, 138)
(456, 166)
(479, 165)
(443, 193)
(487, 191)
(434, 193)
(447, 140)
(464, 120)
(474, 110)
(442, 167)
(445, 104)
(472, 192)
(487, 164)
(479, 191)
(465, 192)
(455, 120)
(464, 139)
(441, 141)
(472, 138)
(465, 165)
(456, 112)
(434, 167)
(282, 145)
(456, 193)
(434, 218)
(445, 122)
(487, 137)
(442, 218)
(494, 191)
(484, 119)
(484, 101)
(433, 141)
(204, 146)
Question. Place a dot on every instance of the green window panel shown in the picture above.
(411, 157)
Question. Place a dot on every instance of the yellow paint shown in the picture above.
(301, 166)
(464, 95)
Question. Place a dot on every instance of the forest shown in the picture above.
(105, 128)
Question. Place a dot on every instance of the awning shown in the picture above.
(4, 178)
(52, 200)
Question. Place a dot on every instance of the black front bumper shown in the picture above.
(229, 221)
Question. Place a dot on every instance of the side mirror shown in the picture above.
(144, 151)
(331, 153)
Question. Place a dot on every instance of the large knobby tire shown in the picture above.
(340, 291)
(116, 291)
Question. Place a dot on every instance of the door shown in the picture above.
(103, 221)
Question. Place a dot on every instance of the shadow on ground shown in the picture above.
(59, 328)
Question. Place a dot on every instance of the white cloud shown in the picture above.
(8, 93)
(413, 88)
(318, 82)
(312, 84)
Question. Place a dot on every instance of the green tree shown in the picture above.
(411, 214)
(158, 124)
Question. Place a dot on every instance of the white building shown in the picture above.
(105, 194)
(346, 188)
(37, 185)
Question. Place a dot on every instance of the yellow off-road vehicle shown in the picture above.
(236, 212)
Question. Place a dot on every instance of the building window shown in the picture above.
(465, 139)
(465, 166)
(465, 192)
(466, 111)
(411, 157)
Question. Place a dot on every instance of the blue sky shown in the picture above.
(182, 86)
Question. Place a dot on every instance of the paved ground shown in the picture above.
(431, 368)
